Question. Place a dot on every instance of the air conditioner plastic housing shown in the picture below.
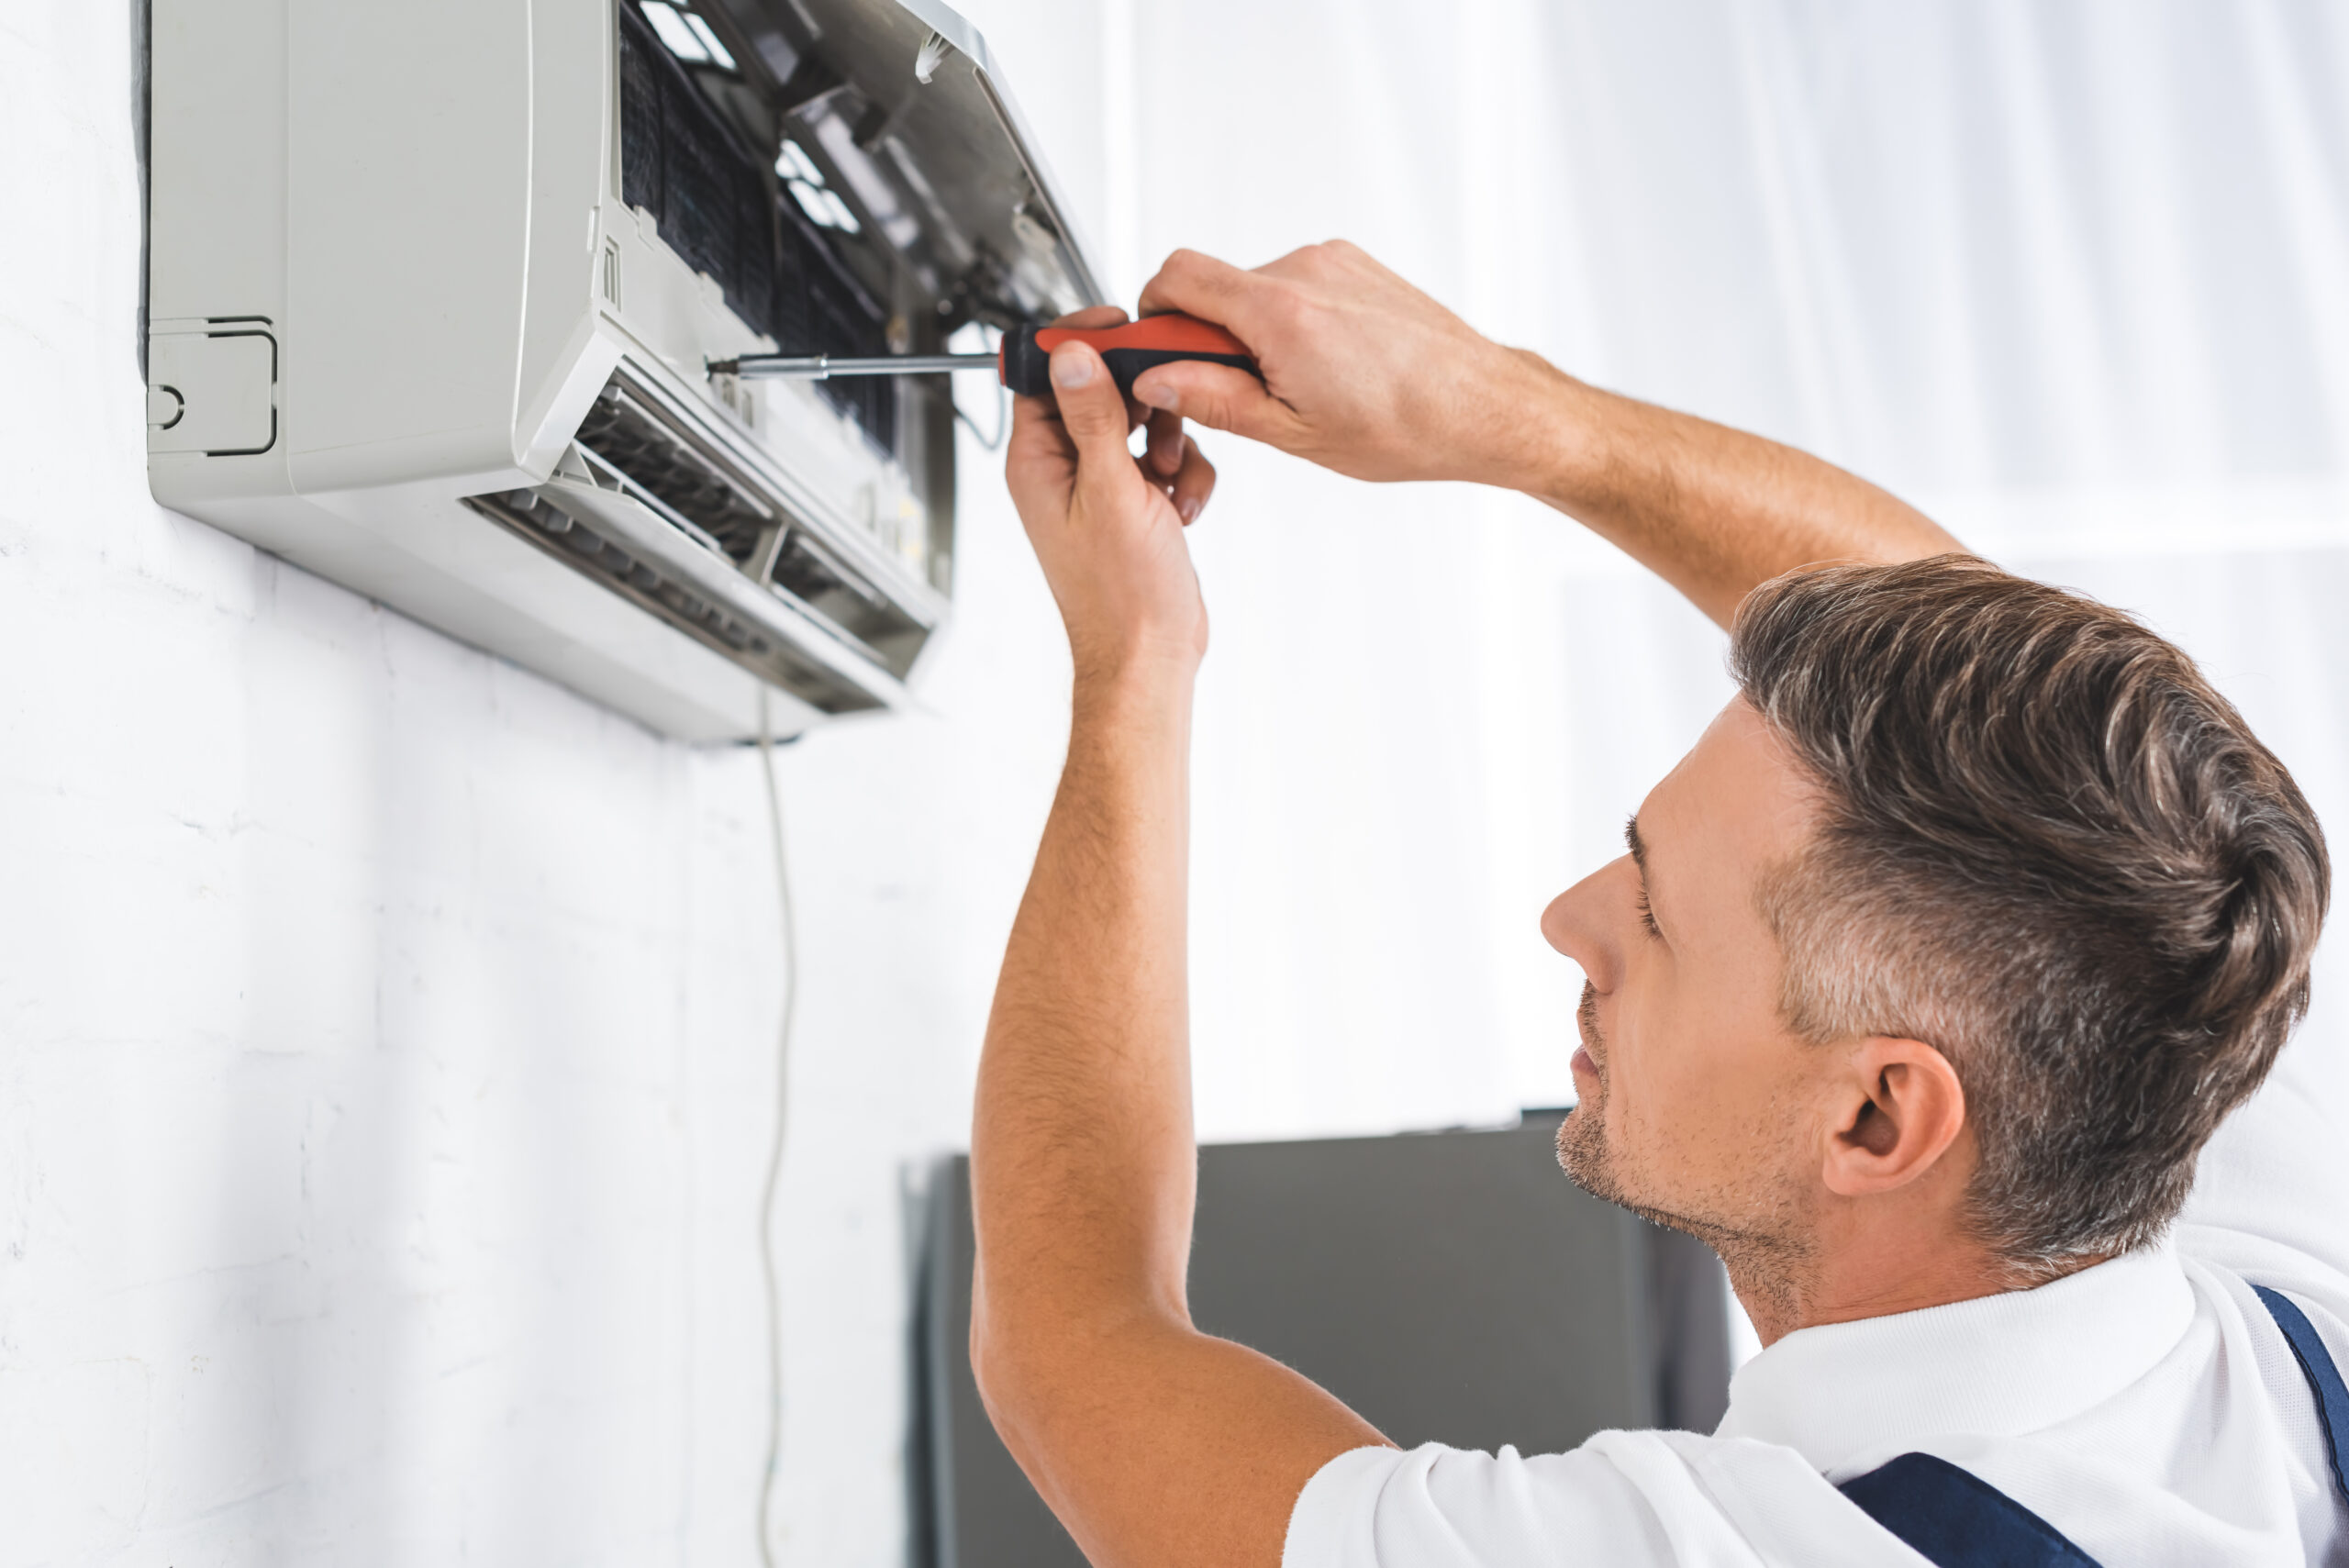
(433, 284)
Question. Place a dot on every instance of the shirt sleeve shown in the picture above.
(2271, 1193)
(1621, 1500)
(1442, 1507)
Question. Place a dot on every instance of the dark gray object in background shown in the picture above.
(1452, 1287)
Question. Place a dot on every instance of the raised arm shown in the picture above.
(1157, 1446)
(1366, 375)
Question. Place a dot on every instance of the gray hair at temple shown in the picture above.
(2049, 850)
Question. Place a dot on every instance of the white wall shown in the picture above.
(386, 1036)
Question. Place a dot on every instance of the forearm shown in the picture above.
(1364, 374)
(1157, 1446)
(1082, 1160)
(1711, 510)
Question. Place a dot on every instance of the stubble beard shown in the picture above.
(1584, 1152)
(1758, 1235)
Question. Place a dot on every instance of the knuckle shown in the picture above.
(1187, 267)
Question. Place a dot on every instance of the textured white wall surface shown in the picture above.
(386, 1036)
(386, 1056)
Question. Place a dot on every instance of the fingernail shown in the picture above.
(1159, 397)
(1072, 369)
(1190, 509)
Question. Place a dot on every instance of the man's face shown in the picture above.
(1698, 1109)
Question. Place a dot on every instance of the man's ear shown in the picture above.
(1899, 1107)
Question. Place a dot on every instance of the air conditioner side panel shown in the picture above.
(574, 139)
(216, 210)
(215, 216)
(408, 155)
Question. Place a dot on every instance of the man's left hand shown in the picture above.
(1108, 527)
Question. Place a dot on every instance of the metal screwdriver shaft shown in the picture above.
(1024, 361)
(823, 367)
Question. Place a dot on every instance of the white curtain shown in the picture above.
(2073, 277)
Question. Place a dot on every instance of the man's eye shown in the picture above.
(1647, 916)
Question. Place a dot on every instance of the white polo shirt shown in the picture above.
(2148, 1408)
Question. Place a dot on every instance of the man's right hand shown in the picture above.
(1363, 373)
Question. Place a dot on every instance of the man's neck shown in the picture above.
(1845, 1283)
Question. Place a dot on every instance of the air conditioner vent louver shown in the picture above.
(655, 511)
(620, 433)
(682, 476)
(655, 584)
(816, 576)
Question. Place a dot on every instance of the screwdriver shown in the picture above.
(1024, 361)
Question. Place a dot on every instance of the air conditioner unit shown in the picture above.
(433, 285)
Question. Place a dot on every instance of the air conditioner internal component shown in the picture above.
(433, 287)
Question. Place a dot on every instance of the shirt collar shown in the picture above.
(2000, 1365)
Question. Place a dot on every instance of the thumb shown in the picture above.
(1222, 397)
(1092, 410)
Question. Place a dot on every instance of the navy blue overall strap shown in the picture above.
(1956, 1519)
(2324, 1379)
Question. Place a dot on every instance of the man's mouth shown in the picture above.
(1586, 1059)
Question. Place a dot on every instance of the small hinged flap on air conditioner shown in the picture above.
(212, 386)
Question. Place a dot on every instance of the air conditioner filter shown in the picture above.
(714, 205)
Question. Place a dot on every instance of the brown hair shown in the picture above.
(2049, 850)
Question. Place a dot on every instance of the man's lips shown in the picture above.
(1584, 1060)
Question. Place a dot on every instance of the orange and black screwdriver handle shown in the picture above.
(1026, 361)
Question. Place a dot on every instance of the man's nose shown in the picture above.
(1586, 921)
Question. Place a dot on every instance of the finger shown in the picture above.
(1222, 397)
(1036, 427)
(1194, 481)
(1091, 410)
(1163, 456)
(1039, 462)
(1202, 287)
(1093, 316)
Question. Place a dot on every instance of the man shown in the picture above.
(1926, 979)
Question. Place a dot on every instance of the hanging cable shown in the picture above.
(1002, 410)
(1002, 423)
(768, 1267)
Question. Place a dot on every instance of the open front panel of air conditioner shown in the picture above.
(433, 288)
